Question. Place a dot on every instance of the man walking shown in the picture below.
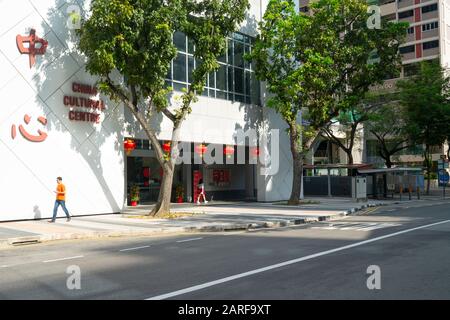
(60, 199)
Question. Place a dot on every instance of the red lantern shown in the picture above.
(228, 151)
(129, 145)
(201, 149)
(254, 152)
(166, 147)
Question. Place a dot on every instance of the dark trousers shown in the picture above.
(61, 203)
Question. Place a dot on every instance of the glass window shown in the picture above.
(239, 98)
(212, 80)
(239, 54)
(247, 82)
(230, 79)
(430, 44)
(407, 49)
(429, 8)
(191, 47)
(179, 68)
(221, 95)
(247, 65)
(405, 14)
(230, 52)
(410, 69)
(255, 90)
(238, 80)
(190, 68)
(221, 77)
(179, 39)
(178, 86)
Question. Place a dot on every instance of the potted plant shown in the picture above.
(134, 195)
(179, 193)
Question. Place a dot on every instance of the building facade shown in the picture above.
(53, 122)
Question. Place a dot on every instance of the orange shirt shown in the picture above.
(60, 188)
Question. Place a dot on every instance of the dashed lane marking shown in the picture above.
(62, 259)
(135, 248)
(187, 240)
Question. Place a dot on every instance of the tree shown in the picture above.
(426, 99)
(348, 123)
(388, 126)
(134, 38)
(318, 65)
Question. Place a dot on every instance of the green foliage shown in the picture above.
(179, 191)
(133, 37)
(319, 62)
(425, 98)
(134, 193)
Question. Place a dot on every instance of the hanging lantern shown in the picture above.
(228, 151)
(129, 145)
(166, 147)
(254, 151)
(201, 149)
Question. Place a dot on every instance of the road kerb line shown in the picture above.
(62, 259)
(286, 263)
(135, 248)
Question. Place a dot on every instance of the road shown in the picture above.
(408, 242)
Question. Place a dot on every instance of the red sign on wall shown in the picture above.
(87, 103)
(31, 50)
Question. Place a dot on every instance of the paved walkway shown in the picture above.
(215, 216)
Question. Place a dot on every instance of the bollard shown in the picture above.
(418, 193)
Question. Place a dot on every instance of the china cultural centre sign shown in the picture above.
(83, 108)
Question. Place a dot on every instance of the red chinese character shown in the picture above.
(31, 50)
(38, 138)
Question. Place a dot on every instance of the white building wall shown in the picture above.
(88, 156)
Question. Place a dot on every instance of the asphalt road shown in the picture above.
(409, 243)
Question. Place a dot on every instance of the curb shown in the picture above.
(27, 240)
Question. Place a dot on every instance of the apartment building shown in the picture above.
(428, 38)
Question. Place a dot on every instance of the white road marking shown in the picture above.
(62, 259)
(357, 226)
(135, 248)
(4, 266)
(193, 239)
(286, 263)
(391, 210)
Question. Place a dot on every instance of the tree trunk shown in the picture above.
(388, 162)
(297, 164)
(428, 162)
(296, 180)
(349, 156)
(163, 205)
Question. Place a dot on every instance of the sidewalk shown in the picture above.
(216, 216)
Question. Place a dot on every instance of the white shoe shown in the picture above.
(206, 201)
(198, 202)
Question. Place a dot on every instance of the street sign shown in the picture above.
(443, 176)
